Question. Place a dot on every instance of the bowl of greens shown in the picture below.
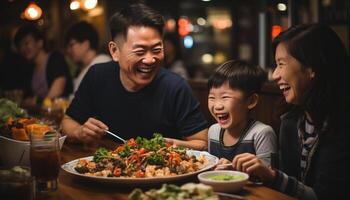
(224, 180)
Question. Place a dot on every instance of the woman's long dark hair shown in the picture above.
(318, 47)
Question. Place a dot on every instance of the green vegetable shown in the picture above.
(173, 192)
(155, 159)
(125, 152)
(135, 194)
(100, 154)
(153, 144)
(10, 109)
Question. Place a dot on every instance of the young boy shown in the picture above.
(233, 92)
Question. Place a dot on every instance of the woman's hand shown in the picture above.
(223, 164)
(252, 165)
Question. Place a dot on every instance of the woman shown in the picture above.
(50, 76)
(314, 138)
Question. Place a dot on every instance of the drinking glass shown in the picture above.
(45, 160)
(16, 183)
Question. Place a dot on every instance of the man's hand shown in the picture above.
(91, 130)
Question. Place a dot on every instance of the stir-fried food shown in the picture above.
(141, 158)
(188, 191)
(15, 122)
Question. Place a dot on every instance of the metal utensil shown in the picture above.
(234, 196)
(116, 136)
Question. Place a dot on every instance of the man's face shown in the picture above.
(140, 56)
(77, 50)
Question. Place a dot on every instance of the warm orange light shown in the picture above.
(184, 27)
(32, 12)
(170, 25)
(276, 30)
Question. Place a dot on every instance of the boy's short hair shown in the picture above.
(81, 32)
(25, 30)
(137, 14)
(240, 75)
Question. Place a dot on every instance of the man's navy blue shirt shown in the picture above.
(165, 106)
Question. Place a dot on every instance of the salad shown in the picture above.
(168, 192)
(141, 158)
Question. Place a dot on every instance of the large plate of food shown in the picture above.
(142, 161)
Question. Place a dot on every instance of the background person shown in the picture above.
(172, 57)
(134, 95)
(50, 77)
(82, 46)
(233, 92)
(314, 135)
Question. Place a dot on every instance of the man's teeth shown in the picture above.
(144, 70)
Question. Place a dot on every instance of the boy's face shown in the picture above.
(228, 106)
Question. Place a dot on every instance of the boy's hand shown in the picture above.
(223, 164)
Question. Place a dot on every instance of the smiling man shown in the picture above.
(134, 95)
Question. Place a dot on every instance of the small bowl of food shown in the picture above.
(227, 181)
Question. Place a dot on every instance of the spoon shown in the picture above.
(116, 136)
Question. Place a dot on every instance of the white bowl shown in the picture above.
(11, 151)
(228, 186)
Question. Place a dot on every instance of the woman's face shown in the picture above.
(29, 47)
(291, 77)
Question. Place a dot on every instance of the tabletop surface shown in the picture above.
(71, 187)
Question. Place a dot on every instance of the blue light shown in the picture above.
(188, 42)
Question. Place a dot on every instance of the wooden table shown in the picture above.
(71, 187)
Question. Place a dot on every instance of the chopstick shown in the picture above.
(259, 156)
(225, 165)
(235, 196)
(116, 136)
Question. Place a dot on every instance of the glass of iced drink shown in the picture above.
(45, 160)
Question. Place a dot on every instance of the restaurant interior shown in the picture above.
(206, 33)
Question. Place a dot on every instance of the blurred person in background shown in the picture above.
(82, 44)
(314, 134)
(14, 70)
(50, 77)
(172, 56)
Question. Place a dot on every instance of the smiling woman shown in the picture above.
(311, 64)
(291, 77)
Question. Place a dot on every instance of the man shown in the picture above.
(82, 47)
(134, 95)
